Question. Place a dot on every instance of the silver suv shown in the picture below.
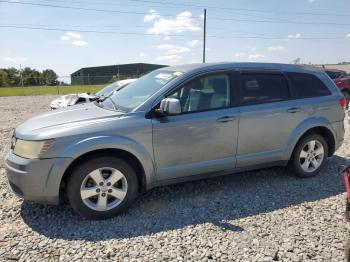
(177, 124)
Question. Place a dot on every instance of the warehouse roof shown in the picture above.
(120, 65)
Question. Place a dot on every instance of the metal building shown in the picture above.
(104, 74)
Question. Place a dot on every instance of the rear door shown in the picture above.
(267, 117)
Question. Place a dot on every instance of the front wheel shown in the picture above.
(102, 187)
(310, 156)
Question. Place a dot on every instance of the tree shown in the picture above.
(49, 77)
(296, 61)
(4, 79)
(30, 77)
(14, 77)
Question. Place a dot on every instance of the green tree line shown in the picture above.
(27, 77)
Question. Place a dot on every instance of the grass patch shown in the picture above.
(48, 90)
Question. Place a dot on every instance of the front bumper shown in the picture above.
(36, 180)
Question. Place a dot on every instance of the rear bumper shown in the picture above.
(339, 130)
(36, 180)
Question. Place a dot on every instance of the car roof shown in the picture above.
(244, 65)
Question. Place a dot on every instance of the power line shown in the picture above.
(241, 9)
(73, 26)
(276, 22)
(172, 35)
(177, 5)
(210, 18)
(93, 31)
(83, 8)
(171, 5)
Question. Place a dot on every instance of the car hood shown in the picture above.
(50, 123)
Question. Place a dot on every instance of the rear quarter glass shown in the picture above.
(306, 85)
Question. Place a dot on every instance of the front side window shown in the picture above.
(307, 85)
(263, 88)
(205, 93)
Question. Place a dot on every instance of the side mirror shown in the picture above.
(168, 107)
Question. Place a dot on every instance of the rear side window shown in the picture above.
(263, 88)
(306, 85)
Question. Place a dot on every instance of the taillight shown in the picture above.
(343, 103)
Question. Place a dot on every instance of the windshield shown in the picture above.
(139, 91)
(108, 89)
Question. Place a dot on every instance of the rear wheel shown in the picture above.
(102, 187)
(310, 156)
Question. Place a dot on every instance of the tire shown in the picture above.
(99, 180)
(297, 161)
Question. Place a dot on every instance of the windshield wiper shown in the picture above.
(104, 98)
(101, 98)
(113, 103)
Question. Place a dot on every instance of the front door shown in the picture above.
(203, 138)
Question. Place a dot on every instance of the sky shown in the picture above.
(66, 35)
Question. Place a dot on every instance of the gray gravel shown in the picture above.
(266, 215)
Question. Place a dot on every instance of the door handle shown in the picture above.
(294, 110)
(225, 119)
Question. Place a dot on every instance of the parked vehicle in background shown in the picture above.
(342, 81)
(177, 124)
(73, 99)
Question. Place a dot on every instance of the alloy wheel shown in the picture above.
(311, 156)
(103, 189)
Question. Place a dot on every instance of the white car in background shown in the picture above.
(73, 99)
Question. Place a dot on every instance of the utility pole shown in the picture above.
(204, 34)
(20, 72)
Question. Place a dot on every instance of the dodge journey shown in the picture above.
(177, 124)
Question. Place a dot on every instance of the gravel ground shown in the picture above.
(266, 215)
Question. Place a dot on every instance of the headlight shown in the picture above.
(31, 149)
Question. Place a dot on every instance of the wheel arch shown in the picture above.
(128, 150)
(326, 134)
(124, 155)
(322, 128)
